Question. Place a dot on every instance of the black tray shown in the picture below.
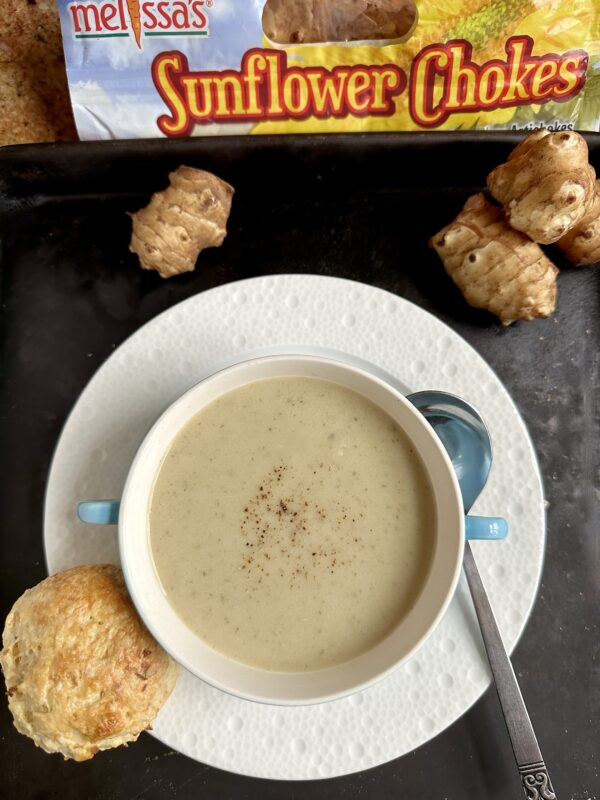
(360, 207)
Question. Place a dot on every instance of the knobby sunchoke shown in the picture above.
(181, 221)
(546, 186)
(495, 266)
(581, 245)
(304, 21)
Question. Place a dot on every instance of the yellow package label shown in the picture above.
(195, 67)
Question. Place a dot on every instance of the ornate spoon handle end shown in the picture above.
(536, 781)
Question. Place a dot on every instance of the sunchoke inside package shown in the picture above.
(196, 67)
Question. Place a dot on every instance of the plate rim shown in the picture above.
(141, 331)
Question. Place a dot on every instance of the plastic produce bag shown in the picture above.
(198, 67)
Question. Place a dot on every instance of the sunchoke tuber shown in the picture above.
(304, 21)
(188, 216)
(496, 267)
(546, 186)
(581, 245)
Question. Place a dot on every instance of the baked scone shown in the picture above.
(82, 672)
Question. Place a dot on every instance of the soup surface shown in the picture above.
(292, 524)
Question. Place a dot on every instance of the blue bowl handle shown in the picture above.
(99, 512)
(485, 528)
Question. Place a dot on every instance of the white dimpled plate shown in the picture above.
(152, 368)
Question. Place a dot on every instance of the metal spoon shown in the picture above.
(467, 441)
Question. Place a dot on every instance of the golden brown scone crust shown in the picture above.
(82, 672)
(34, 98)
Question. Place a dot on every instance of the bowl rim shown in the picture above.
(127, 508)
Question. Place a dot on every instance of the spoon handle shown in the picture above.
(534, 775)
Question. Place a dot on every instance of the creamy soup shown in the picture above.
(292, 524)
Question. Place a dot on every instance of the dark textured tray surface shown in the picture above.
(354, 207)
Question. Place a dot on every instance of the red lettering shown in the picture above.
(163, 12)
(445, 80)
(265, 87)
(149, 17)
(107, 14)
(491, 83)
(85, 18)
(200, 22)
(180, 16)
